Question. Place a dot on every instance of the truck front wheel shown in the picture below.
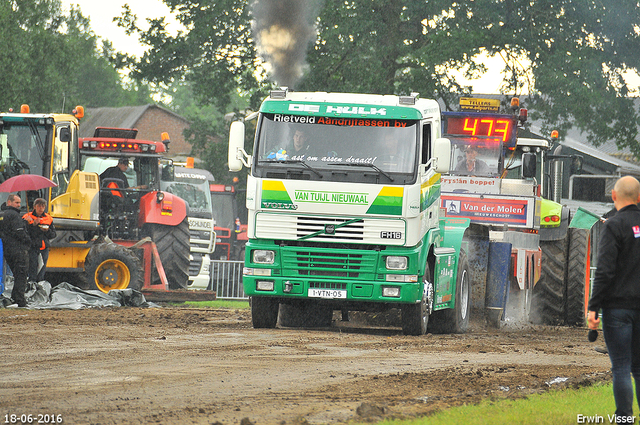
(415, 317)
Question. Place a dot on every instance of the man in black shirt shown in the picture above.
(616, 290)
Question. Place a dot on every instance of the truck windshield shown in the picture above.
(22, 147)
(319, 146)
(197, 196)
(476, 156)
(141, 170)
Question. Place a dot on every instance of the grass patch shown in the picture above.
(551, 408)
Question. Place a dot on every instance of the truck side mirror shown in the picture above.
(529, 165)
(442, 155)
(576, 163)
(236, 145)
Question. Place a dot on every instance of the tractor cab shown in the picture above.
(129, 173)
(41, 144)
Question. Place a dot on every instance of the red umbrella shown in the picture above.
(26, 182)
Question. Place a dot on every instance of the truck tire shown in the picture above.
(415, 317)
(173, 246)
(578, 273)
(305, 315)
(264, 312)
(455, 320)
(548, 303)
(111, 266)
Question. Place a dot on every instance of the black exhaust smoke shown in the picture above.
(283, 30)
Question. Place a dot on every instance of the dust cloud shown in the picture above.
(283, 30)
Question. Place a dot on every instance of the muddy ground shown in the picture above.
(176, 365)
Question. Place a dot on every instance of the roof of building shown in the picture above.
(119, 117)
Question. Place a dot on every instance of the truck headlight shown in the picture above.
(396, 263)
(261, 256)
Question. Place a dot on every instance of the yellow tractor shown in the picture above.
(94, 247)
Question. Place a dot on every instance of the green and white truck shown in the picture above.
(352, 221)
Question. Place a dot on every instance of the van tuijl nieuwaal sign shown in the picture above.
(331, 197)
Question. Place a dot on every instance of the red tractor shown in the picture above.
(132, 210)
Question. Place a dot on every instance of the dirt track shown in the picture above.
(178, 365)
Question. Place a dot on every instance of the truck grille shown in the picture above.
(330, 229)
(344, 263)
(309, 225)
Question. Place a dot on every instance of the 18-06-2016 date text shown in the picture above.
(38, 418)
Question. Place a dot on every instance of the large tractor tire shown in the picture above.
(548, 304)
(415, 317)
(578, 274)
(305, 316)
(455, 320)
(173, 246)
(111, 266)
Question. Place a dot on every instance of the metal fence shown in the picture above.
(226, 279)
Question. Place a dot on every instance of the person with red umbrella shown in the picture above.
(16, 242)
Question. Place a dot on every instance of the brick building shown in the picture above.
(150, 120)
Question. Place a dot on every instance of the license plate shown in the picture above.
(327, 293)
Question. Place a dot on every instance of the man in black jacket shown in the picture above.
(41, 229)
(616, 291)
(15, 242)
(117, 172)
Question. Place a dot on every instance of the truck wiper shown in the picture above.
(295, 161)
(356, 164)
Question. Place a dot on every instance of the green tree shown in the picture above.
(208, 131)
(386, 47)
(215, 53)
(571, 55)
(566, 56)
(50, 60)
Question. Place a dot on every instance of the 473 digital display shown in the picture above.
(503, 127)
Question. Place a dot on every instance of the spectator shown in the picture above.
(616, 291)
(41, 230)
(16, 242)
